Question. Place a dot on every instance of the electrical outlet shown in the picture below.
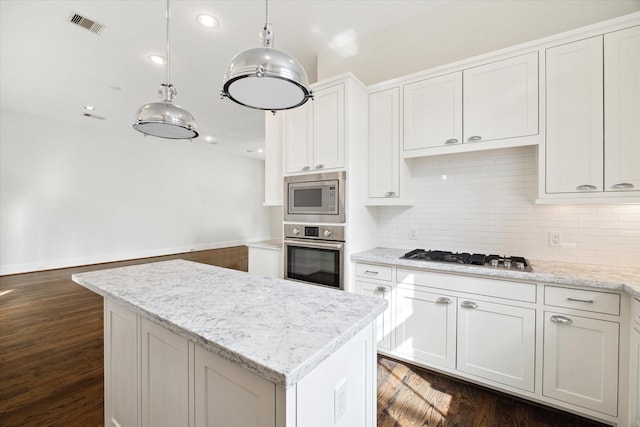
(413, 234)
(339, 400)
(555, 238)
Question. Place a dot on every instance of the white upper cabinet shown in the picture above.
(501, 99)
(495, 102)
(329, 128)
(315, 132)
(299, 138)
(384, 144)
(433, 112)
(574, 157)
(622, 110)
(592, 109)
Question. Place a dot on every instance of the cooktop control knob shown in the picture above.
(507, 263)
(327, 233)
(520, 265)
(494, 263)
(296, 231)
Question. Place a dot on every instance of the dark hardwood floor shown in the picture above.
(51, 344)
(51, 363)
(411, 396)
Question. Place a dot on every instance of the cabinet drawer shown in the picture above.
(579, 299)
(473, 285)
(372, 271)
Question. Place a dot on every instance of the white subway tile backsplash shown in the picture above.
(486, 205)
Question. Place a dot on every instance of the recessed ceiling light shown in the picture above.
(260, 150)
(89, 107)
(207, 21)
(157, 59)
(208, 138)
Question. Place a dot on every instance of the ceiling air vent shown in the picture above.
(90, 25)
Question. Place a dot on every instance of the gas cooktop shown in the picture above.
(490, 261)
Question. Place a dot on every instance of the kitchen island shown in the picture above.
(197, 345)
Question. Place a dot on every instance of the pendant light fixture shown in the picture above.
(265, 78)
(164, 119)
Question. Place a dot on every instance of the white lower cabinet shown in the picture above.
(634, 366)
(121, 367)
(164, 377)
(553, 344)
(425, 327)
(634, 400)
(383, 324)
(228, 395)
(580, 362)
(497, 342)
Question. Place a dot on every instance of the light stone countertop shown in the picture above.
(592, 276)
(274, 244)
(277, 329)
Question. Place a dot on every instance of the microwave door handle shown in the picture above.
(312, 244)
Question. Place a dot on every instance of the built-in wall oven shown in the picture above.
(315, 198)
(314, 253)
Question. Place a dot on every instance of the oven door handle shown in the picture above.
(313, 244)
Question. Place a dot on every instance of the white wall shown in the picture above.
(460, 29)
(73, 195)
(486, 205)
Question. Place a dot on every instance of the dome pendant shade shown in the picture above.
(165, 119)
(265, 78)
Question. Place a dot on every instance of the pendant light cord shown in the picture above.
(267, 32)
(168, 48)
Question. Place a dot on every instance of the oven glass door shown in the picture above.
(318, 263)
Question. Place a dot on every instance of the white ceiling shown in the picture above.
(50, 67)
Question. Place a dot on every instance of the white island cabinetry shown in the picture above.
(189, 344)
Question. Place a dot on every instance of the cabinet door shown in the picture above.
(329, 128)
(121, 361)
(165, 377)
(580, 361)
(425, 327)
(384, 144)
(497, 342)
(574, 140)
(226, 394)
(433, 112)
(298, 139)
(634, 383)
(501, 99)
(383, 324)
(622, 110)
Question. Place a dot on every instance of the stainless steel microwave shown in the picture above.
(315, 197)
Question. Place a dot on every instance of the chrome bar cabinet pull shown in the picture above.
(474, 138)
(588, 301)
(586, 187)
(390, 194)
(622, 186)
(371, 272)
(382, 289)
(451, 141)
(561, 319)
(443, 300)
(469, 304)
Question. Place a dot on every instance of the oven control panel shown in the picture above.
(314, 231)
